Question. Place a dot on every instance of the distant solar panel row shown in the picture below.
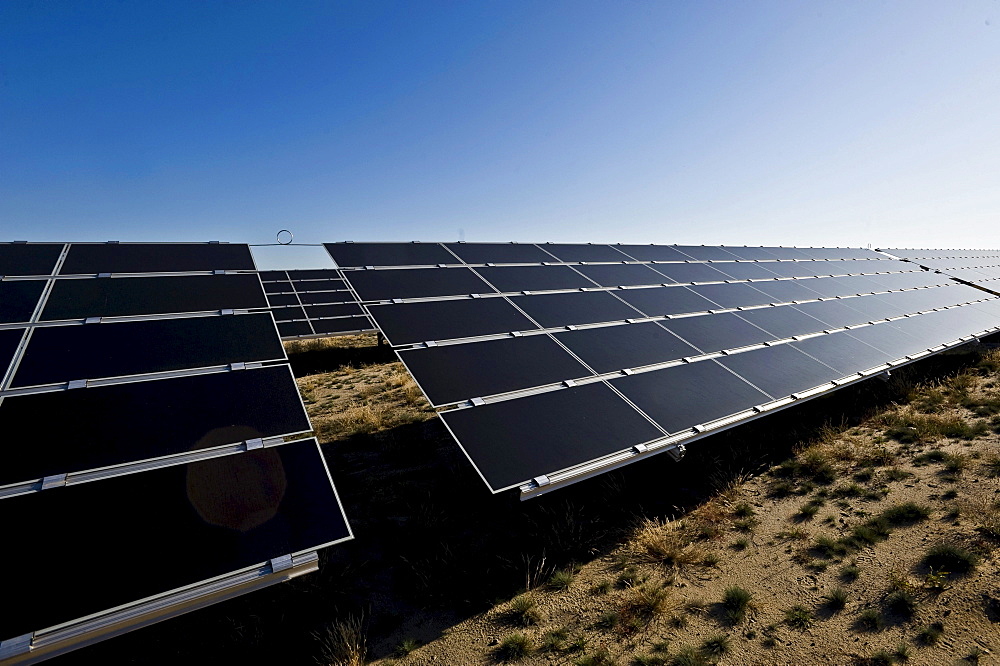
(354, 255)
(308, 303)
(611, 364)
(146, 413)
(978, 267)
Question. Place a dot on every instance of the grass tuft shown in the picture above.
(951, 558)
(715, 646)
(836, 599)
(799, 617)
(514, 647)
(735, 601)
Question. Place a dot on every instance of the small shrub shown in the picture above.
(646, 602)
(601, 587)
(836, 599)
(807, 511)
(870, 620)
(514, 648)
(799, 617)
(850, 573)
(949, 557)
(688, 656)
(628, 577)
(936, 580)
(745, 524)
(902, 652)
(523, 611)
(895, 474)
(829, 547)
(600, 657)
(710, 560)
(735, 601)
(608, 620)
(743, 510)
(930, 634)
(880, 658)
(715, 646)
(902, 603)
(649, 660)
(406, 646)
(554, 640)
(908, 513)
(992, 467)
(740, 544)
(561, 579)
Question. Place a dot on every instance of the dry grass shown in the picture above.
(362, 401)
(665, 542)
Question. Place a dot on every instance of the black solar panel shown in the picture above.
(577, 252)
(613, 348)
(150, 419)
(186, 524)
(978, 267)
(96, 258)
(513, 279)
(581, 307)
(117, 297)
(10, 338)
(514, 440)
(18, 300)
(353, 255)
(410, 323)
(386, 285)
(498, 253)
(29, 258)
(90, 351)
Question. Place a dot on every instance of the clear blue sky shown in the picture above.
(805, 123)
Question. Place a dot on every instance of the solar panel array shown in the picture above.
(978, 267)
(313, 303)
(552, 362)
(145, 406)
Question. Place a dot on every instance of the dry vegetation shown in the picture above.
(873, 544)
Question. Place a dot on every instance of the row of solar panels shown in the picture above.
(146, 418)
(614, 361)
(979, 268)
(312, 303)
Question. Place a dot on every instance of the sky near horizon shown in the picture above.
(715, 122)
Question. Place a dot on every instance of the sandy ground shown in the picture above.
(657, 598)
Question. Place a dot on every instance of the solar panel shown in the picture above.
(90, 351)
(148, 414)
(353, 255)
(684, 360)
(151, 419)
(18, 300)
(498, 253)
(97, 258)
(29, 258)
(977, 267)
(184, 523)
(385, 285)
(314, 303)
(118, 297)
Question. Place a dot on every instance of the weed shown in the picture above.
(946, 556)
(808, 510)
(523, 611)
(735, 601)
(688, 656)
(902, 652)
(902, 603)
(880, 658)
(936, 580)
(870, 620)
(975, 655)
(930, 634)
(649, 660)
(781, 489)
(829, 547)
(799, 617)
(906, 514)
(514, 647)
(745, 524)
(850, 573)
(662, 647)
(895, 474)
(554, 640)
(740, 544)
(710, 560)
(848, 490)
(743, 510)
(343, 643)
(864, 475)
(992, 467)
(601, 587)
(646, 602)
(836, 599)
(715, 646)
(406, 646)
(561, 579)
(600, 657)
(608, 620)
(628, 577)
